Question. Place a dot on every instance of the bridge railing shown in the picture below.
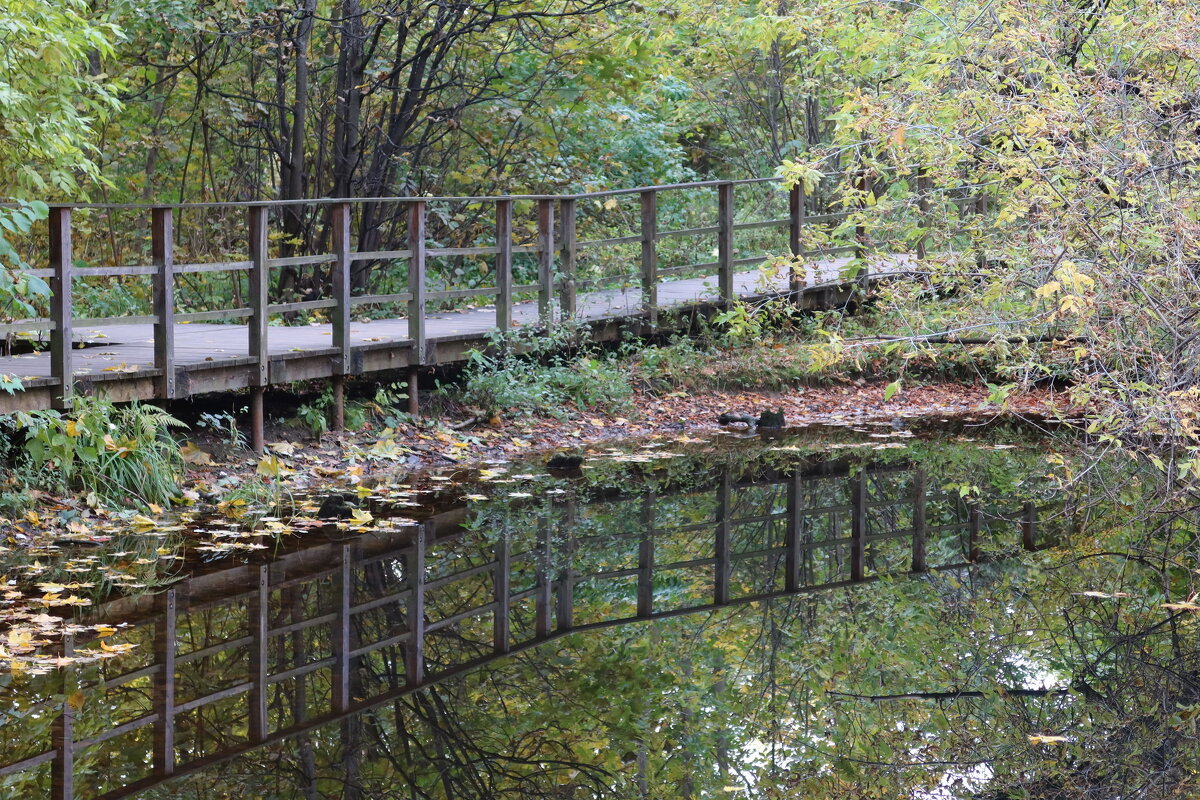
(245, 657)
(405, 263)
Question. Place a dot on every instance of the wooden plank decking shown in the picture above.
(210, 356)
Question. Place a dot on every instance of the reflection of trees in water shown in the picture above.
(743, 696)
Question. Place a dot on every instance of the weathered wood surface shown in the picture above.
(124, 353)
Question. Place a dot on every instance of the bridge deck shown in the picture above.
(213, 357)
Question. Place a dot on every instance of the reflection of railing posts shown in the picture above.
(343, 586)
(340, 222)
(1028, 526)
(920, 529)
(858, 526)
(794, 532)
(164, 686)
(645, 584)
(258, 612)
(722, 566)
(414, 646)
(649, 232)
(62, 734)
(565, 612)
(504, 255)
(501, 595)
(796, 213)
(545, 585)
(570, 256)
(725, 216)
(973, 525)
(545, 222)
(259, 312)
(162, 250)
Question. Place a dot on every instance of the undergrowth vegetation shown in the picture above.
(771, 346)
(114, 455)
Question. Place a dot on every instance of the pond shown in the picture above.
(844, 614)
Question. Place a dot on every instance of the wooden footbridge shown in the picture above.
(244, 656)
(173, 353)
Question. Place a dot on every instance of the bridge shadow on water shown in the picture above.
(311, 644)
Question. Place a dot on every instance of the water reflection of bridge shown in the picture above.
(251, 655)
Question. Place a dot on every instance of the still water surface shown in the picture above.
(846, 615)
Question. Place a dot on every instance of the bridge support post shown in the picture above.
(725, 242)
(61, 361)
(162, 237)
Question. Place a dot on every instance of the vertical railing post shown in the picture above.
(860, 229)
(259, 611)
(416, 281)
(794, 531)
(920, 526)
(260, 312)
(796, 213)
(645, 585)
(567, 209)
(344, 588)
(164, 687)
(162, 247)
(923, 191)
(504, 264)
(649, 232)
(723, 566)
(61, 311)
(414, 650)
(545, 250)
(725, 218)
(858, 526)
(62, 734)
(502, 595)
(340, 222)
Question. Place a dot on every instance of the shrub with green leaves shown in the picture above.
(534, 371)
(116, 455)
